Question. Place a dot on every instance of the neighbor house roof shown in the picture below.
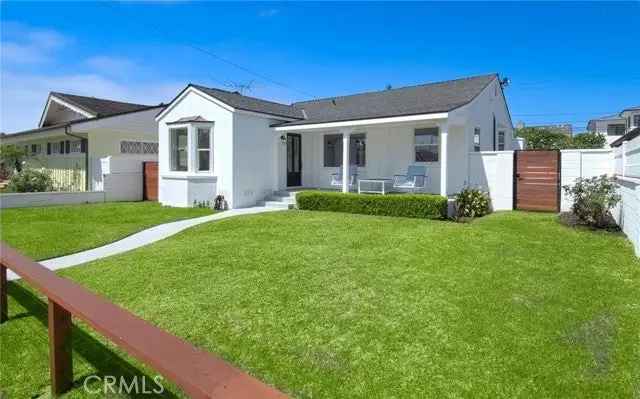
(636, 108)
(246, 103)
(630, 135)
(99, 106)
(81, 120)
(412, 100)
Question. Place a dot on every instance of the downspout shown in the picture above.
(67, 131)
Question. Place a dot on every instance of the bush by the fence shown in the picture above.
(401, 205)
(30, 181)
(472, 203)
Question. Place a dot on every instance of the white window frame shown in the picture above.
(196, 149)
(187, 152)
(192, 147)
(501, 135)
(416, 145)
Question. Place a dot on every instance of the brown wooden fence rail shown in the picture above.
(198, 373)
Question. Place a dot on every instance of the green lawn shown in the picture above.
(47, 232)
(324, 305)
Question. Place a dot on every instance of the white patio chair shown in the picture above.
(415, 179)
(336, 178)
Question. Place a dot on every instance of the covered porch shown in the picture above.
(311, 156)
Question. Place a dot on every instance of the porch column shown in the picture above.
(346, 136)
(443, 159)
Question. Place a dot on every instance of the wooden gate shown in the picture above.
(537, 180)
(150, 184)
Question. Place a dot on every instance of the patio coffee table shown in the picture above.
(380, 183)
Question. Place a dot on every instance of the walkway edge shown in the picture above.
(140, 239)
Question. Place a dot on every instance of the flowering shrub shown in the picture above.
(472, 202)
(593, 198)
(30, 181)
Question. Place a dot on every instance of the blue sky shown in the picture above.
(566, 61)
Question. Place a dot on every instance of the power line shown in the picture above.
(569, 113)
(225, 60)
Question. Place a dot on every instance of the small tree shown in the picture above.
(11, 156)
(543, 138)
(588, 140)
(593, 198)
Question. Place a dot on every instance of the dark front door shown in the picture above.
(537, 180)
(294, 161)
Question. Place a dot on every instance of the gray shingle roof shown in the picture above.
(246, 103)
(99, 106)
(422, 99)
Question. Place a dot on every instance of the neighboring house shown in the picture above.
(76, 132)
(215, 142)
(611, 126)
(632, 117)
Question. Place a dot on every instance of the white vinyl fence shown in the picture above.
(582, 163)
(627, 171)
(492, 171)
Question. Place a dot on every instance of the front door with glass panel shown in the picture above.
(294, 161)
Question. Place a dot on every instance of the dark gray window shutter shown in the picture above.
(48, 148)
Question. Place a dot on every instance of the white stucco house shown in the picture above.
(215, 142)
(77, 134)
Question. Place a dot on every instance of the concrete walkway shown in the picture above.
(140, 239)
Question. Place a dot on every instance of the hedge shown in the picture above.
(402, 205)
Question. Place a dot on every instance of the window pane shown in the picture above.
(179, 156)
(203, 138)
(615, 130)
(332, 150)
(426, 144)
(203, 160)
(636, 120)
(357, 148)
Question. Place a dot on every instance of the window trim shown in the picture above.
(172, 155)
(338, 161)
(197, 149)
(352, 137)
(437, 145)
(501, 134)
(617, 127)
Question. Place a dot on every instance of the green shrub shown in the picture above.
(593, 198)
(30, 181)
(588, 140)
(472, 202)
(401, 205)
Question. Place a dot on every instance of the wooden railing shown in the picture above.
(198, 373)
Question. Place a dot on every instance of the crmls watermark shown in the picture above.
(120, 385)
